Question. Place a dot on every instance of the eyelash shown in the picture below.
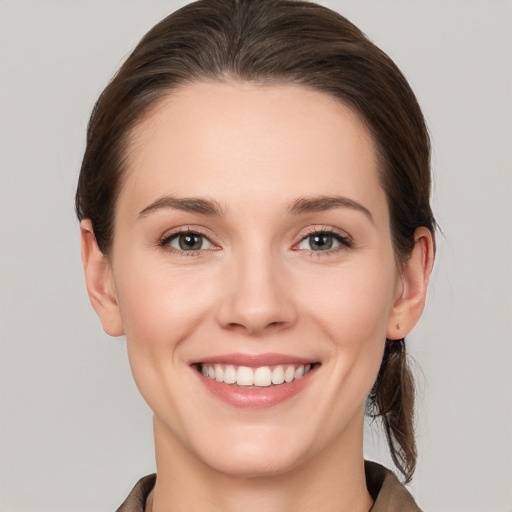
(345, 242)
(167, 239)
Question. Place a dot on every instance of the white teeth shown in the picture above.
(219, 373)
(230, 375)
(278, 375)
(299, 372)
(262, 376)
(245, 376)
(289, 374)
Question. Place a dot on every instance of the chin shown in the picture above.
(253, 462)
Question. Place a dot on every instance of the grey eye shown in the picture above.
(189, 242)
(321, 241)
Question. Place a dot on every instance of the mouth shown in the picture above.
(255, 382)
(255, 377)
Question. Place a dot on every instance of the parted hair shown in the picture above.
(273, 42)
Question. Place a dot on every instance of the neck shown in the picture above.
(331, 481)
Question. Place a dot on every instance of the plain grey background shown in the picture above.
(74, 433)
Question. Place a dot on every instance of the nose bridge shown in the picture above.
(257, 297)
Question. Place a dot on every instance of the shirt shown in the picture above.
(384, 487)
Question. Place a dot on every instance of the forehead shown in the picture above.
(241, 142)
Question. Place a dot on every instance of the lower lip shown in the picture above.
(256, 398)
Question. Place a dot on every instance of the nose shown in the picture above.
(257, 296)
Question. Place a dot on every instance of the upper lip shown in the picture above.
(254, 360)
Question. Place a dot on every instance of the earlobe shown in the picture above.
(99, 281)
(415, 274)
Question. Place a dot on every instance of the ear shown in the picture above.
(99, 282)
(410, 302)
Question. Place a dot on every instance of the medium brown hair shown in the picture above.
(272, 42)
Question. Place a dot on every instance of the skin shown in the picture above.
(256, 286)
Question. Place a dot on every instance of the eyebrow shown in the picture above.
(213, 208)
(324, 203)
(187, 204)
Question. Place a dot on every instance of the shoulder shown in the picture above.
(387, 491)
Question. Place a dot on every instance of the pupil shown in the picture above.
(190, 241)
(321, 242)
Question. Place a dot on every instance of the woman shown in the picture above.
(255, 219)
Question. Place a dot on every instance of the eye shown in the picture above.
(324, 241)
(187, 241)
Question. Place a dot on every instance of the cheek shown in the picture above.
(159, 306)
(160, 310)
(354, 316)
(357, 302)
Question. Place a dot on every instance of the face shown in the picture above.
(252, 244)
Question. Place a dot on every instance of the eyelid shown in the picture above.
(321, 228)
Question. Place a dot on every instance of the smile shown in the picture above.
(259, 377)
(255, 381)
